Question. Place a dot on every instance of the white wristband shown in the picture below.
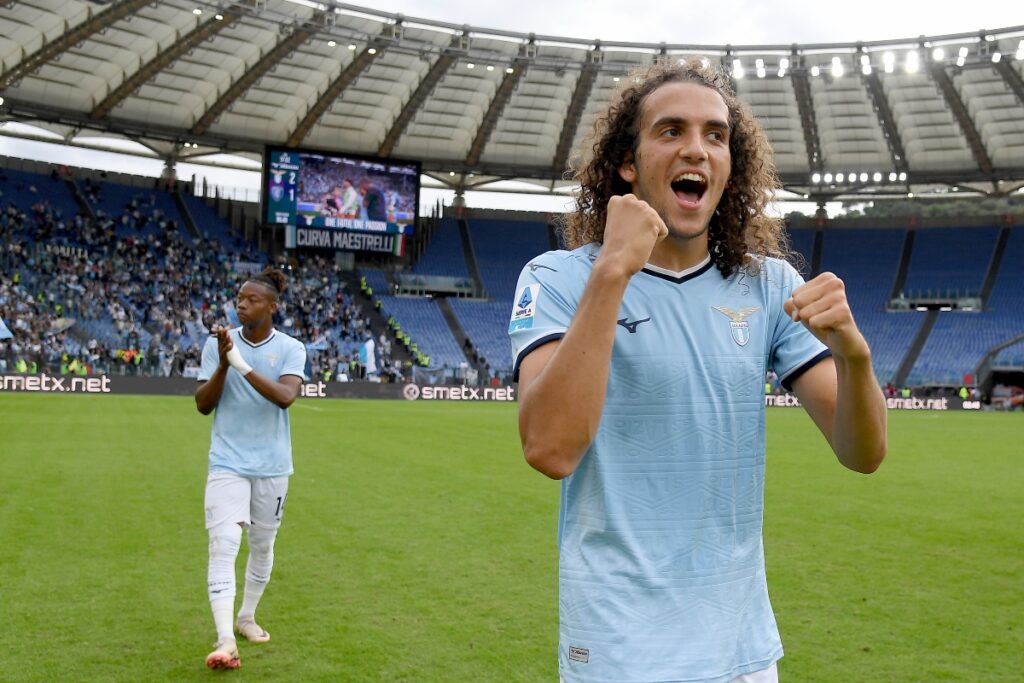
(236, 361)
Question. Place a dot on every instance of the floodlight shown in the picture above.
(372, 50)
(816, 178)
(892, 177)
(331, 43)
(219, 17)
(828, 177)
(510, 70)
(863, 177)
(471, 65)
(351, 46)
(996, 56)
(839, 177)
(837, 67)
(866, 69)
(938, 54)
(877, 177)
(784, 62)
(737, 69)
(815, 71)
(197, 11)
(962, 52)
(889, 61)
(490, 67)
(913, 63)
(903, 176)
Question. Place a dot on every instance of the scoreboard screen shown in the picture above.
(314, 189)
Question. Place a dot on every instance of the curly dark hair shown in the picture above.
(740, 228)
(272, 278)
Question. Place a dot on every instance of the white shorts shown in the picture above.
(234, 499)
(769, 675)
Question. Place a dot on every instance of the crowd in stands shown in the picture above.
(88, 295)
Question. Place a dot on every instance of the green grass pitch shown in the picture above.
(417, 546)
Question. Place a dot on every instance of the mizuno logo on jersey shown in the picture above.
(534, 266)
(631, 325)
(738, 325)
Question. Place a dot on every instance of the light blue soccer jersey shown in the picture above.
(251, 436)
(661, 564)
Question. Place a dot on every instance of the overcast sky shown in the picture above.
(718, 22)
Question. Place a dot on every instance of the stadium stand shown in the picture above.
(502, 248)
(866, 260)
(960, 339)
(443, 255)
(949, 262)
(486, 323)
(25, 189)
(423, 320)
(212, 226)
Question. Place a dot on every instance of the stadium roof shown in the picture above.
(191, 79)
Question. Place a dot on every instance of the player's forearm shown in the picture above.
(209, 392)
(859, 432)
(277, 393)
(561, 410)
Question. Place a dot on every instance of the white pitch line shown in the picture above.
(309, 407)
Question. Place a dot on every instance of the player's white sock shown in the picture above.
(257, 569)
(222, 611)
(220, 578)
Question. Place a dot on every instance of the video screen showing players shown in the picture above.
(327, 190)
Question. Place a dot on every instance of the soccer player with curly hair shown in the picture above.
(641, 354)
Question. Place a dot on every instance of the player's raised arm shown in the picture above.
(209, 392)
(840, 394)
(562, 384)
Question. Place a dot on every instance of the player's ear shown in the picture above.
(627, 171)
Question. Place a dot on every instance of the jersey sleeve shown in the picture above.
(211, 359)
(295, 361)
(794, 350)
(545, 302)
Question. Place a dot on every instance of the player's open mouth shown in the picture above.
(689, 188)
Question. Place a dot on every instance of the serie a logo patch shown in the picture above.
(525, 309)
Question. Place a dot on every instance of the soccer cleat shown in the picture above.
(252, 631)
(224, 656)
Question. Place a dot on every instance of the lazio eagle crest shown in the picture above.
(740, 328)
